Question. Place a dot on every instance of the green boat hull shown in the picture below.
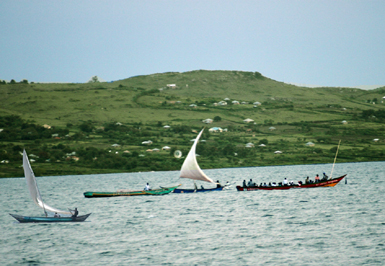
(153, 192)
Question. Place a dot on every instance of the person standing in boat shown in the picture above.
(244, 183)
(147, 187)
(75, 212)
(285, 182)
(218, 184)
(307, 181)
(56, 215)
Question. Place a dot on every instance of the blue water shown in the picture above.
(343, 225)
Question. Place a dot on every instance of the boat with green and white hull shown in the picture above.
(128, 193)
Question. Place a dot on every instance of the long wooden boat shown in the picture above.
(325, 183)
(128, 193)
(31, 219)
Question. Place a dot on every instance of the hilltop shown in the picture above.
(285, 116)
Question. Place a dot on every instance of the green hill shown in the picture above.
(85, 117)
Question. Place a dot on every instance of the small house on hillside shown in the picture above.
(248, 120)
(215, 129)
(171, 86)
(249, 145)
(207, 121)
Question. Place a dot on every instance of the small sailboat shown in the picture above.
(191, 170)
(60, 215)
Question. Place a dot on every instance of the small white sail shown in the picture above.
(34, 190)
(190, 168)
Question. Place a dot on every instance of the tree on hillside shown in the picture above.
(94, 79)
(217, 119)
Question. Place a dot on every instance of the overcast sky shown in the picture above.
(328, 43)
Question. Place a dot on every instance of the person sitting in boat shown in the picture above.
(273, 184)
(218, 184)
(307, 181)
(285, 183)
(56, 215)
(202, 187)
(147, 187)
(325, 177)
(269, 184)
(316, 179)
(299, 183)
(244, 183)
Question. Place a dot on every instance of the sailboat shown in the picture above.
(67, 216)
(191, 170)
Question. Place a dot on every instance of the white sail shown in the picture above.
(190, 168)
(34, 190)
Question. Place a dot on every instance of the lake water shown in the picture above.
(343, 225)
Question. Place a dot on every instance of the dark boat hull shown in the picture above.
(181, 190)
(30, 219)
(155, 192)
(327, 183)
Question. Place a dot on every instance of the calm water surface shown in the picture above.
(344, 225)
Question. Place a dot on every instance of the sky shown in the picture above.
(338, 43)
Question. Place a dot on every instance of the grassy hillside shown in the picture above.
(85, 117)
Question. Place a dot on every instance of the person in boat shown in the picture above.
(269, 184)
(75, 214)
(56, 215)
(244, 183)
(307, 181)
(250, 183)
(316, 179)
(273, 184)
(202, 187)
(285, 183)
(325, 177)
(147, 187)
(218, 184)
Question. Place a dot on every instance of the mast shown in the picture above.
(335, 158)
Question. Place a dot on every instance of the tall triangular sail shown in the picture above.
(190, 168)
(34, 190)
